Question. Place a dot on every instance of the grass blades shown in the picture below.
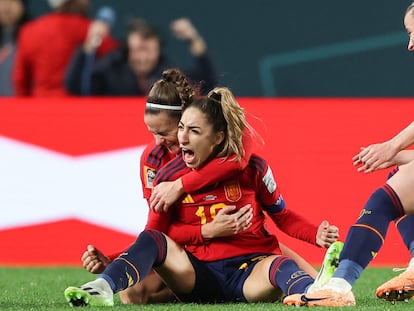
(42, 289)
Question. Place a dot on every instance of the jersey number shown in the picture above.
(213, 211)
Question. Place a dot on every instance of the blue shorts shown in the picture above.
(222, 280)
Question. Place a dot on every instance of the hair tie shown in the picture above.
(215, 96)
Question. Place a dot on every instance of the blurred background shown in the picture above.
(294, 48)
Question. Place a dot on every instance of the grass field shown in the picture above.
(42, 289)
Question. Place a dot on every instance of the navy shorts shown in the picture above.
(222, 280)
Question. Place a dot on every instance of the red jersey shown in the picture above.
(152, 159)
(45, 48)
(155, 157)
(255, 185)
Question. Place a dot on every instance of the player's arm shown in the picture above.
(166, 193)
(227, 222)
(381, 155)
(403, 157)
(293, 224)
(404, 139)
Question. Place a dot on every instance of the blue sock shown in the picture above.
(133, 265)
(348, 270)
(367, 235)
(285, 274)
(405, 226)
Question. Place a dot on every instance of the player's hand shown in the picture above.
(375, 157)
(165, 194)
(94, 260)
(228, 221)
(327, 234)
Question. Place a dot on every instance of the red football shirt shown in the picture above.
(256, 186)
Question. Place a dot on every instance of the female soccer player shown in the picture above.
(391, 202)
(162, 114)
(245, 267)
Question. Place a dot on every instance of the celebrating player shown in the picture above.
(247, 266)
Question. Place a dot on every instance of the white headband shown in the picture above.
(165, 107)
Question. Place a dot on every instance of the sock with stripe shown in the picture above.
(367, 235)
(285, 274)
(405, 226)
(149, 250)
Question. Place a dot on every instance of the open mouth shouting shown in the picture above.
(188, 156)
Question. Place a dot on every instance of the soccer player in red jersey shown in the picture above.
(170, 92)
(162, 114)
(246, 267)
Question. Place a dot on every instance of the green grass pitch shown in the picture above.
(42, 289)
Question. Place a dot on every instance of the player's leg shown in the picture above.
(274, 277)
(150, 290)
(403, 184)
(151, 249)
(302, 263)
(328, 267)
(363, 242)
(401, 288)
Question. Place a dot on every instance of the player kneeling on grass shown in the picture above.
(247, 267)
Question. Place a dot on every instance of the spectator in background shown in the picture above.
(132, 69)
(46, 45)
(13, 14)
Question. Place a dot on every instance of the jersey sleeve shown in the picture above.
(159, 221)
(267, 190)
(152, 160)
(147, 174)
(185, 234)
(216, 169)
(295, 225)
(271, 199)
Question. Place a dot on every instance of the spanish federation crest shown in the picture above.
(232, 191)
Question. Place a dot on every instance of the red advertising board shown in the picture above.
(70, 170)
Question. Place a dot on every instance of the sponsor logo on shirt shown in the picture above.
(210, 197)
(188, 199)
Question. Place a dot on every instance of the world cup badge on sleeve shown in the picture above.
(149, 176)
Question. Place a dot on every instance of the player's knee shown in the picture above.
(382, 207)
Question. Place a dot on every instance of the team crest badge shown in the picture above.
(232, 191)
